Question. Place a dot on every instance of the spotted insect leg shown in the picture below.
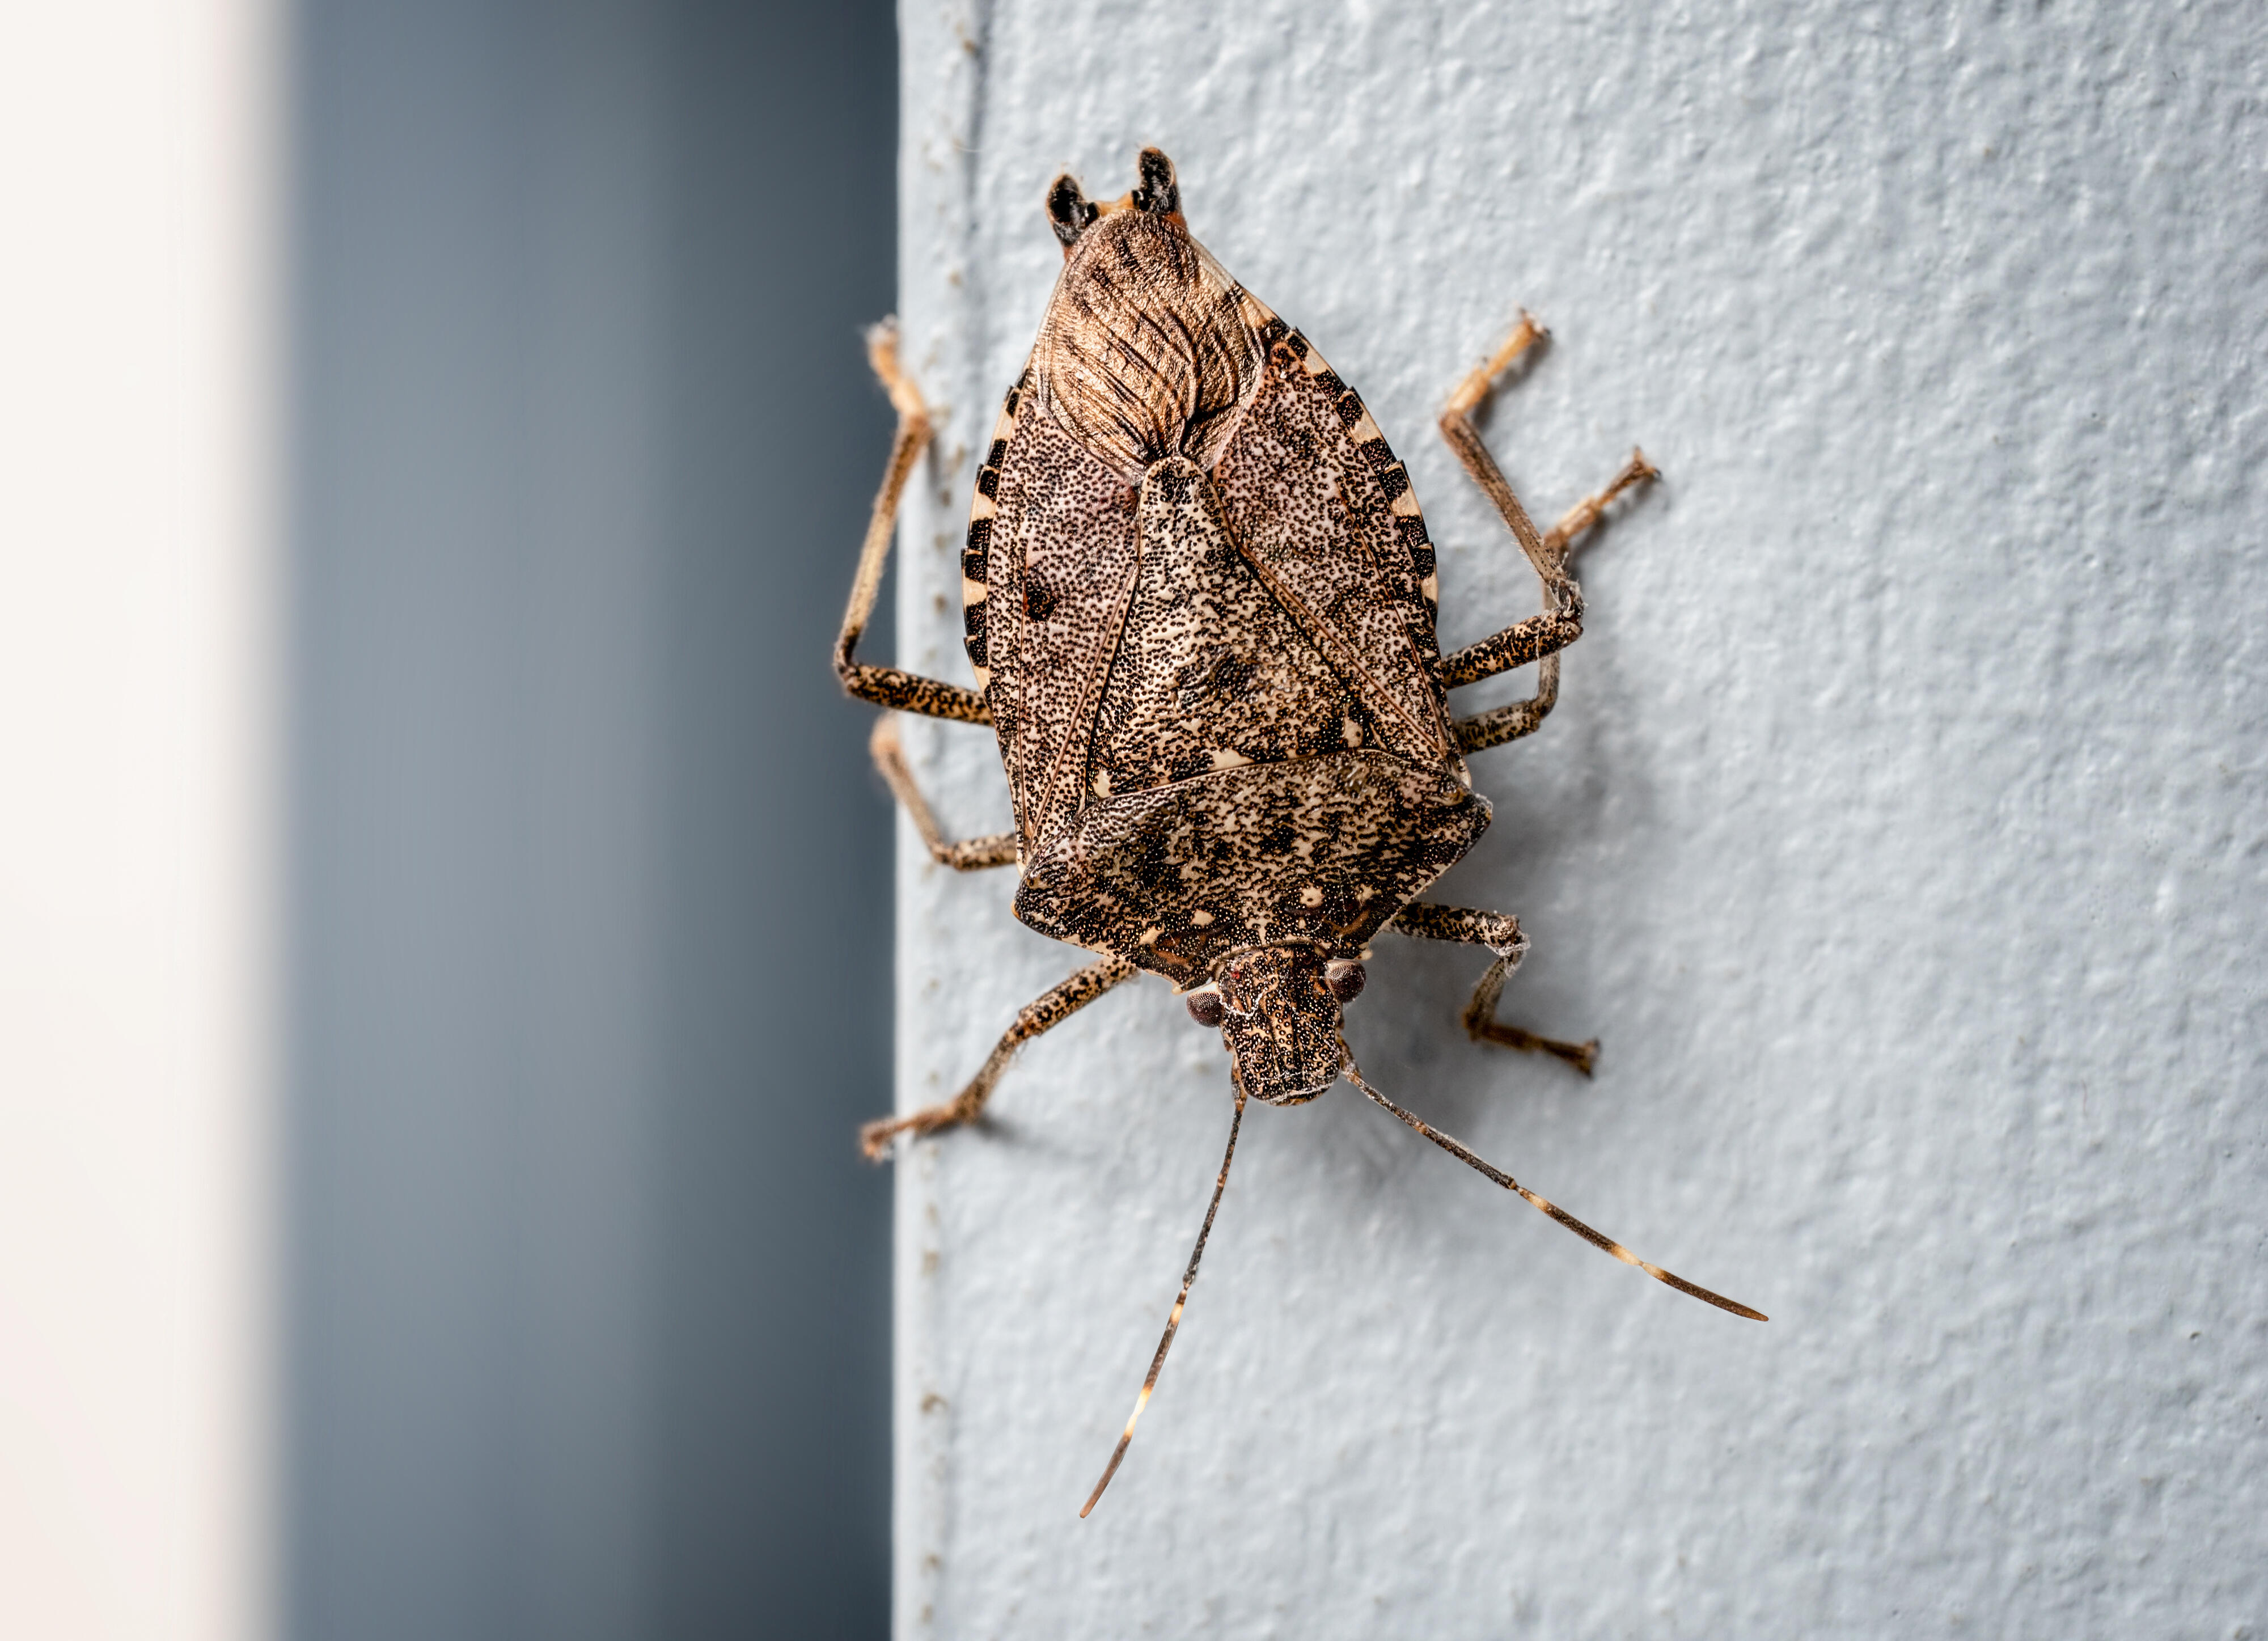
(1049, 1010)
(1541, 637)
(1499, 932)
(886, 686)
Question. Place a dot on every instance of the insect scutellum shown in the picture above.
(1199, 601)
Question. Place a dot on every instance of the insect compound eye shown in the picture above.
(1069, 213)
(1345, 980)
(1205, 1006)
(1159, 195)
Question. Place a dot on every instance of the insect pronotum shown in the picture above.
(1200, 599)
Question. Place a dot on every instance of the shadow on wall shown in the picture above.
(588, 1301)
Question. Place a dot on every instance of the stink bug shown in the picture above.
(1200, 601)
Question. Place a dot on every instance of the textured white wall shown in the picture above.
(1901, 832)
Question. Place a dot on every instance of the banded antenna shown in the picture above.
(1606, 1244)
(1174, 1321)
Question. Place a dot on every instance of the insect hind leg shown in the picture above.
(1049, 1010)
(886, 686)
(1579, 519)
(1499, 932)
(1457, 429)
(1541, 637)
(973, 854)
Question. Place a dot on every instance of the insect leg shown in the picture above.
(886, 686)
(1541, 637)
(1587, 512)
(1499, 932)
(1465, 439)
(1050, 1008)
(970, 854)
(1535, 639)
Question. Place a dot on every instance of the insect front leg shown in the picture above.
(886, 686)
(1049, 1010)
(973, 854)
(1499, 932)
(1541, 637)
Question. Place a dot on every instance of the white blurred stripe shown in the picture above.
(139, 183)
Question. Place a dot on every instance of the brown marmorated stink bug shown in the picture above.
(1200, 603)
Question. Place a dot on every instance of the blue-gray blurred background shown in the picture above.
(587, 1298)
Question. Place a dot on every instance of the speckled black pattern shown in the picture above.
(1317, 851)
(1280, 1022)
(1200, 602)
(1309, 505)
(910, 692)
(1206, 612)
(1211, 669)
(1063, 554)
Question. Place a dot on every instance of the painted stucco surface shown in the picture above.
(1903, 833)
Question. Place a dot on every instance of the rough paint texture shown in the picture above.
(1899, 832)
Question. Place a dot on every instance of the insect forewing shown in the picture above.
(1322, 509)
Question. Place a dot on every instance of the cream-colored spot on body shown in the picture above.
(1311, 896)
(1225, 759)
(1362, 894)
(983, 507)
(1364, 431)
(983, 678)
(1201, 918)
(971, 592)
(1149, 937)
(1431, 588)
(1352, 732)
(1405, 505)
(1102, 783)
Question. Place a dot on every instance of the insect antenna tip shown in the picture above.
(1551, 1209)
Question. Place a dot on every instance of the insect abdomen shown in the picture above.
(1144, 353)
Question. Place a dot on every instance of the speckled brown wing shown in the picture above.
(1212, 671)
(1257, 588)
(1325, 513)
(1052, 531)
